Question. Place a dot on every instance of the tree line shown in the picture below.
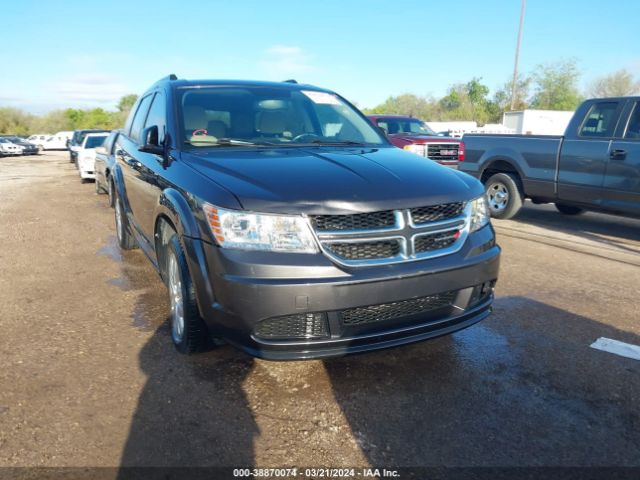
(552, 86)
(18, 122)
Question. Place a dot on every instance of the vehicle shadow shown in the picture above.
(520, 389)
(608, 229)
(193, 410)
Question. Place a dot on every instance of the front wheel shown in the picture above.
(125, 238)
(188, 331)
(569, 209)
(111, 192)
(504, 195)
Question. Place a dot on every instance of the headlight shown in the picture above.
(479, 213)
(415, 148)
(253, 231)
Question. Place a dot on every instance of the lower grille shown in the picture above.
(447, 152)
(365, 250)
(390, 311)
(303, 325)
(436, 241)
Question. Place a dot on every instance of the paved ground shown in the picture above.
(89, 376)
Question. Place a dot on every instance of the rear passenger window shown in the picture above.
(633, 127)
(157, 114)
(600, 121)
(139, 119)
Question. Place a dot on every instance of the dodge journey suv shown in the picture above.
(283, 222)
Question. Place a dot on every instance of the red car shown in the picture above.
(414, 135)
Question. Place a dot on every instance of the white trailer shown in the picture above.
(537, 122)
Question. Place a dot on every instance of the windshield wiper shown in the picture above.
(224, 142)
(336, 142)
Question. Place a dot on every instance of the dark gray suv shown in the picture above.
(282, 221)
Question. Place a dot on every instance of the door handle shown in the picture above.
(618, 154)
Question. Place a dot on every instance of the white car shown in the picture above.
(87, 155)
(38, 140)
(59, 141)
(8, 148)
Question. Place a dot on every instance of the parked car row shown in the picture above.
(57, 141)
(284, 221)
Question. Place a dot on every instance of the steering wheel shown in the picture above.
(311, 136)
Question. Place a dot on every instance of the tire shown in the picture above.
(40, 149)
(569, 209)
(504, 195)
(111, 192)
(188, 331)
(126, 240)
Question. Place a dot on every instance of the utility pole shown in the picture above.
(515, 66)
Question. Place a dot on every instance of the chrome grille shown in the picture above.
(357, 221)
(393, 236)
(435, 241)
(392, 310)
(443, 152)
(365, 250)
(436, 213)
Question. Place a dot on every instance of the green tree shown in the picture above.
(469, 101)
(502, 97)
(556, 86)
(126, 102)
(14, 121)
(617, 84)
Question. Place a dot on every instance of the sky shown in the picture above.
(85, 53)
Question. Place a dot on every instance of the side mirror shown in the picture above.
(381, 130)
(150, 142)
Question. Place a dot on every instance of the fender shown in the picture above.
(173, 206)
(508, 155)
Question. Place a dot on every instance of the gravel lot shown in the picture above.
(90, 377)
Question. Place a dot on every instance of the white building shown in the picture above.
(537, 122)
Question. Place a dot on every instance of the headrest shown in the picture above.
(194, 117)
(272, 122)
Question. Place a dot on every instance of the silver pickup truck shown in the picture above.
(594, 166)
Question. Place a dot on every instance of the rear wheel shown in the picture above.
(569, 209)
(504, 195)
(125, 238)
(188, 331)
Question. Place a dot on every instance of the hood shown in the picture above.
(332, 180)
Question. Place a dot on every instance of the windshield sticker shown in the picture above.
(322, 97)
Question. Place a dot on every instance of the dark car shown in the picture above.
(27, 148)
(283, 222)
(595, 165)
(104, 163)
(75, 143)
(412, 134)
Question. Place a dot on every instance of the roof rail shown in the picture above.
(291, 80)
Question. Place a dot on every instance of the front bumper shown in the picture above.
(239, 290)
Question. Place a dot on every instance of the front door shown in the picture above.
(622, 179)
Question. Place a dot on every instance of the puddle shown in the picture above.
(140, 319)
(111, 249)
(122, 283)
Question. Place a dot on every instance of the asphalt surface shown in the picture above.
(89, 376)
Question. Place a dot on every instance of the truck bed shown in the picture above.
(536, 158)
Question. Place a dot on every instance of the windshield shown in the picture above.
(227, 116)
(93, 142)
(405, 125)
